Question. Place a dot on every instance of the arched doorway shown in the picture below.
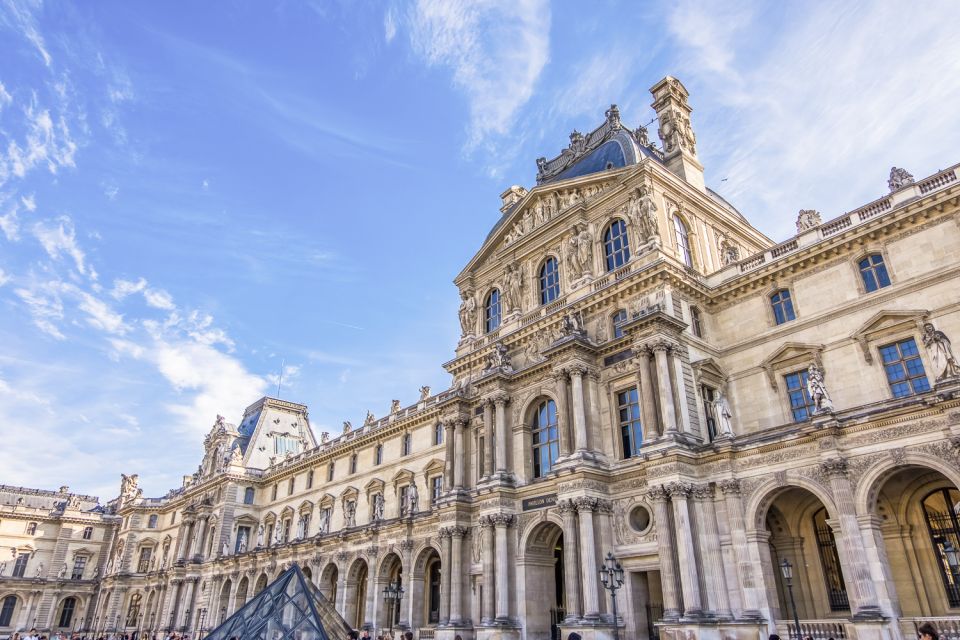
(241, 597)
(307, 573)
(8, 609)
(67, 610)
(916, 524)
(328, 582)
(261, 584)
(391, 572)
(223, 606)
(150, 611)
(543, 571)
(356, 594)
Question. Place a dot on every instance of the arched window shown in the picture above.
(291, 486)
(132, 613)
(378, 454)
(696, 326)
(546, 438)
(619, 319)
(353, 463)
(152, 521)
(310, 479)
(6, 611)
(874, 273)
(616, 245)
(330, 472)
(248, 495)
(492, 311)
(940, 512)
(66, 612)
(406, 444)
(782, 306)
(438, 433)
(549, 281)
(683, 240)
(830, 561)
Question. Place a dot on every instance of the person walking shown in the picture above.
(927, 631)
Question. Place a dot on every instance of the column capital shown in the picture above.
(372, 551)
(500, 398)
(661, 345)
(586, 504)
(577, 370)
(604, 506)
(342, 556)
(836, 467)
(658, 493)
(567, 505)
(730, 487)
(406, 545)
(485, 521)
(502, 519)
(702, 491)
(679, 489)
(454, 531)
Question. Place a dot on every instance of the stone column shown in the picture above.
(456, 574)
(184, 541)
(668, 564)
(571, 560)
(738, 540)
(880, 571)
(502, 521)
(588, 558)
(448, 462)
(198, 537)
(560, 389)
(667, 411)
(341, 597)
(579, 411)
(648, 403)
(502, 433)
(852, 552)
(406, 605)
(718, 601)
(445, 560)
(487, 611)
(370, 611)
(187, 610)
(686, 554)
(488, 438)
(459, 459)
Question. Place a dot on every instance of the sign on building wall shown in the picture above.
(540, 502)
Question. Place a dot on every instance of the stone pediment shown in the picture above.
(709, 370)
(374, 486)
(791, 354)
(402, 478)
(886, 323)
(350, 493)
(327, 500)
(306, 505)
(433, 467)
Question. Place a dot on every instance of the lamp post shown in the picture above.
(203, 615)
(787, 570)
(611, 575)
(392, 595)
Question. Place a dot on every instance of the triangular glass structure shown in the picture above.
(289, 608)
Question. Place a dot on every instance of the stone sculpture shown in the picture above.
(721, 407)
(580, 252)
(899, 178)
(817, 389)
(808, 219)
(468, 313)
(941, 353)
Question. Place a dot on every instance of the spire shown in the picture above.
(676, 132)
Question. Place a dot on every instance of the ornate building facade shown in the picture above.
(640, 372)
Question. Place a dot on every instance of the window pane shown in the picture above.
(545, 438)
(616, 246)
(904, 368)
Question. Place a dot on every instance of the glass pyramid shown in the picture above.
(289, 608)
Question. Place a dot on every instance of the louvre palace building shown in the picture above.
(641, 372)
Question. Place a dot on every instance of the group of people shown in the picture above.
(926, 631)
(34, 635)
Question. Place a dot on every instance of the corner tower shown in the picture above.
(676, 133)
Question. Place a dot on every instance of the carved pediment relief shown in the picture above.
(710, 371)
(326, 501)
(791, 355)
(374, 486)
(887, 323)
(433, 468)
(402, 478)
(350, 493)
(306, 505)
(543, 207)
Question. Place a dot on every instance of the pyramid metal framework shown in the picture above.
(289, 608)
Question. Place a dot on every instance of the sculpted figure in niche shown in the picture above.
(941, 353)
(573, 324)
(817, 389)
(260, 535)
(350, 513)
(468, 313)
(580, 252)
(377, 507)
(413, 499)
(63, 571)
(224, 549)
(721, 407)
(642, 211)
(242, 542)
(513, 286)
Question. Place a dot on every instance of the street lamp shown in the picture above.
(203, 615)
(392, 595)
(787, 570)
(611, 575)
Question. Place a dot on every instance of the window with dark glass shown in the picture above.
(782, 306)
(546, 438)
(378, 454)
(330, 472)
(874, 273)
(800, 403)
(353, 463)
(619, 319)
(248, 494)
(152, 521)
(310, 479)
(708, 396)
(616, 245)
(143, 564)
(631, 430)
(273, 492)
(683, 240)
(31, 528)
(66, 611)
(406, 444)
(696, 324)
(436, 488)
(79, 564)
(830, 561)
(904, 368)
(134, 611)
(940, 512)
(20, 566)
(438, 433)
(433, 615)
(291, 486)
(491, 311)
(549, 281)
(87, 533)
(6, 611)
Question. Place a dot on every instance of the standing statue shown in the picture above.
(941, 353)
(580, 252)
(424, 393)
(817, 389)
(347, 426)
(242, 542)
(512, 286)
(39, 569)
(3, 567)
(370, 419)
(324, 520)
(63, 571)
(128, 487)
(278, 533)
(642, 211)
(350, 513)
(260, 535)
(721, 408)
(224, 549)
(394, 406)
(377, 507)
(413, 499)
(468, 313)
(301, 528)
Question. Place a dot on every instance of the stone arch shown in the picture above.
(425, 594)
(223, 601)
(764, 495)
(421, 555)
(243, 589)
(873, 479)
(386, 566)
(329, 577)
(530, 401)
(75, 612)
(355, 587)
(540, 566)
(539, 533)
(260, 584)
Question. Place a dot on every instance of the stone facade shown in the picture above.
(704, 405)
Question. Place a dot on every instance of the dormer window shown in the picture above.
(284, 444)
(616, 245)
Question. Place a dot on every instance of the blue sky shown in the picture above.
(191, 193)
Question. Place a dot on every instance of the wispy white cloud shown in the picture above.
(5, 98)
(4, 277)
(45, 307)
(29, 202)
(159, 299)
(20, 17)
(47, 141)
(496, 51)
(123, 288)
(10, 223)
(58, 237)
(389, 25)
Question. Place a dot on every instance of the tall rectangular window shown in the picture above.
(800, 403)
(152, 521)
(292, 486)
(782, 305)
(144, 564)
(631, 430)
(438, 433)
(310, 479)
(330, 472)
(436, 488)
(904, 368)
(708, 396)
(273, 492)
(20, 567)
(79, 564)
(87, 533)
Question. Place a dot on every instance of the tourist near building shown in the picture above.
(641, 372)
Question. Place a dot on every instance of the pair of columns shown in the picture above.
(579, 438)
(452, 575)
(495, 608)
(659, 357)
(496, 433)
(454, 469)
(580, 550)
